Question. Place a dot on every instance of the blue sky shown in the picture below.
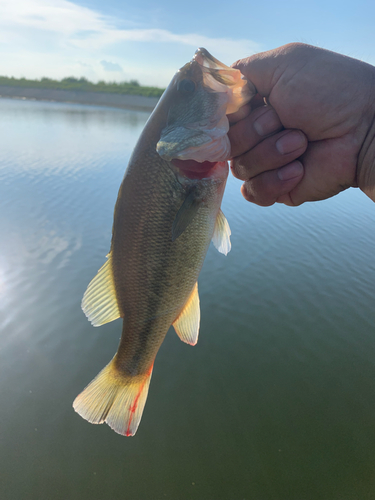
(148, 41)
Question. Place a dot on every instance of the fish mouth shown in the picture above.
(194, 169)
(207, 60)
(193, 165)
(218, 90)
(204, 58)
(220, 78)
(222, 74)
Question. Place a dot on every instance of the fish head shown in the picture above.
(201, 94)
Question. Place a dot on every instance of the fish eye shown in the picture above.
(186, 85)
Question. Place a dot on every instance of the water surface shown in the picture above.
(276, 401)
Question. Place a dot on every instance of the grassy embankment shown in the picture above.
(71, 83)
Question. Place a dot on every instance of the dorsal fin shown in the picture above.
(222, 232)
(99, 302)
(187, 323)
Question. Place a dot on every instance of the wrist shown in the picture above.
(366, 163)
(366, 156)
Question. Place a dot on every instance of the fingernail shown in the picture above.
(291, 171)
(290, 142)
(267, 123)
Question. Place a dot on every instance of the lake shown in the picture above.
(277, 399)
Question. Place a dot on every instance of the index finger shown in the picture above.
(247, 133)
(245, 110)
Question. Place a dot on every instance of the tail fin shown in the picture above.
(115, 399)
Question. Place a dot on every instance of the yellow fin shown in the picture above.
(187, 323)
(99, 302)
(115, 399)
(222, 232)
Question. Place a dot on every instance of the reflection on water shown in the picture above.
(277, 400)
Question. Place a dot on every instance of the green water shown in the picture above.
(276, 401)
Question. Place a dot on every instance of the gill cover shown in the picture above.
(206, 90)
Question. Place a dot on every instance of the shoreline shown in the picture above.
(123, 101)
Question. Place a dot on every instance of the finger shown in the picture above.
(242, 113)
(256, 102)
(273, 152)
(247, 133)
(330, 167)
(267, 188)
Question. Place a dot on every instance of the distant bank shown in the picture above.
(125, 101)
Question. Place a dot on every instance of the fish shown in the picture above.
(166, 214)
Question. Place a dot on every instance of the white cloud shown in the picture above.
(67, 37)
(110, 66)
(226, 49)
(60, 16)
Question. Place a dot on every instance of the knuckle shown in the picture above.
(261, 192)
(239, 170)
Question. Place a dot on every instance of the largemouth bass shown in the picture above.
(167, 212)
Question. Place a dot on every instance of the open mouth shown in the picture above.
(193, 169)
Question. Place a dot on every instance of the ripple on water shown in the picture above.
(276, 400)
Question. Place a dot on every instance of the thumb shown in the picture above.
(260, 70)
(266, 68)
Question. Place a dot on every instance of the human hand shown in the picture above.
(322, 105)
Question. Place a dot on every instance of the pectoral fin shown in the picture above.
(222, 232)
(99, 302)
(185, 214)
(187, 323)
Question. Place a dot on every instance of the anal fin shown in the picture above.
(187, 323)
(99, 302)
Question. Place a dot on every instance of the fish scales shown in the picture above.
(145, 258)
(167, 212)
